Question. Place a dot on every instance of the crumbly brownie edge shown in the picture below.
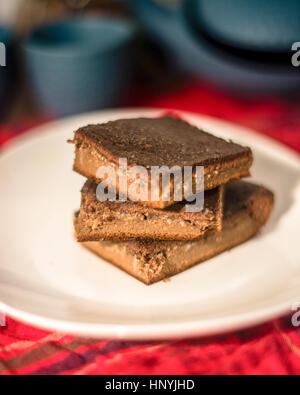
(130, 221)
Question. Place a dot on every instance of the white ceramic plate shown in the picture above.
(48, 280)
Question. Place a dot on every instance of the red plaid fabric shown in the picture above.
(273, 348)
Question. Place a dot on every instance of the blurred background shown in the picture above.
(71, 56)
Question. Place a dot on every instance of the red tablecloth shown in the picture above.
(273, 348)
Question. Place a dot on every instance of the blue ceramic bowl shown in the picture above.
(6, 39)
(80, 65)
(179, 31)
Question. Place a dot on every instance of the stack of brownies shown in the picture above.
(154, 240)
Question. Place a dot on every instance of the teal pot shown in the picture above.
(80, 65)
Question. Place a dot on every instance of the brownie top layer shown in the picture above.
(163, 141)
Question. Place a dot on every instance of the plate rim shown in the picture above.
(139, 332)
(155, 331)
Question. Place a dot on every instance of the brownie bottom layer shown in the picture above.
(247, 209)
